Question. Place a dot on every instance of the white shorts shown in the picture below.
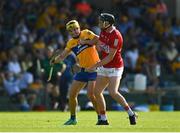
(110, 72)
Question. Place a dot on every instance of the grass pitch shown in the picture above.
(53, 122)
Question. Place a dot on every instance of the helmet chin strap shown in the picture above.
(105, 26)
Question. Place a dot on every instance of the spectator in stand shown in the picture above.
(161, 7)
(131, 57)
(11, 85)
(21, 32)
(25, 81)
(13, 63)
(170, 53)
(175, 27)
(152, 69)
(125, 24)
(84, 8)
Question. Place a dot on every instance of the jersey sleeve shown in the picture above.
(89, 34)
(68, 46)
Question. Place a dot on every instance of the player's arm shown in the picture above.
(89, 38)
(59, 56)
(93, 41)
(62, 56)
(112, 51)
(107, 59)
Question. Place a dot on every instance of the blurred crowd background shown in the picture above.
(30, 30)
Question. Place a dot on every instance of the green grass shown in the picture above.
(53, 121)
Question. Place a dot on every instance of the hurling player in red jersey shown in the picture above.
(110, 68)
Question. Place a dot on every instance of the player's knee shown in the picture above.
(72, 95)
(113, 93)
(97, 92)
(90, 96)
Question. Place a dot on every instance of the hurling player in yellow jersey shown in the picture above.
(87, 56)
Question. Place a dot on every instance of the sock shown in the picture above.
(129, 111)
(103, 116)
(73, 117)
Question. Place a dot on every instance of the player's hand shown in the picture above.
(93, 68)
(82, 41)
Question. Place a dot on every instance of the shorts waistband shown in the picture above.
(85, 70)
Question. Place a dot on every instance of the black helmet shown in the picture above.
(107, 17)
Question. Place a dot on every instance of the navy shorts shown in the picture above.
(84, 76)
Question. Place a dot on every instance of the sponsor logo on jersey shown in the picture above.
(79, 48)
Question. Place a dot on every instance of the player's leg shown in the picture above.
(74, 91)
(90, 94)
(91, 78)
(113, 91)
(101, 84)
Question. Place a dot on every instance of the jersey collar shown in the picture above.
(110, 31)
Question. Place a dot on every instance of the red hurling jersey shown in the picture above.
(112, 39)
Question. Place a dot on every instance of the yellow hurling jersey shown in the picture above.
(86, 54)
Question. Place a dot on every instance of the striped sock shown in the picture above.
(103, 115)
(129, 111)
